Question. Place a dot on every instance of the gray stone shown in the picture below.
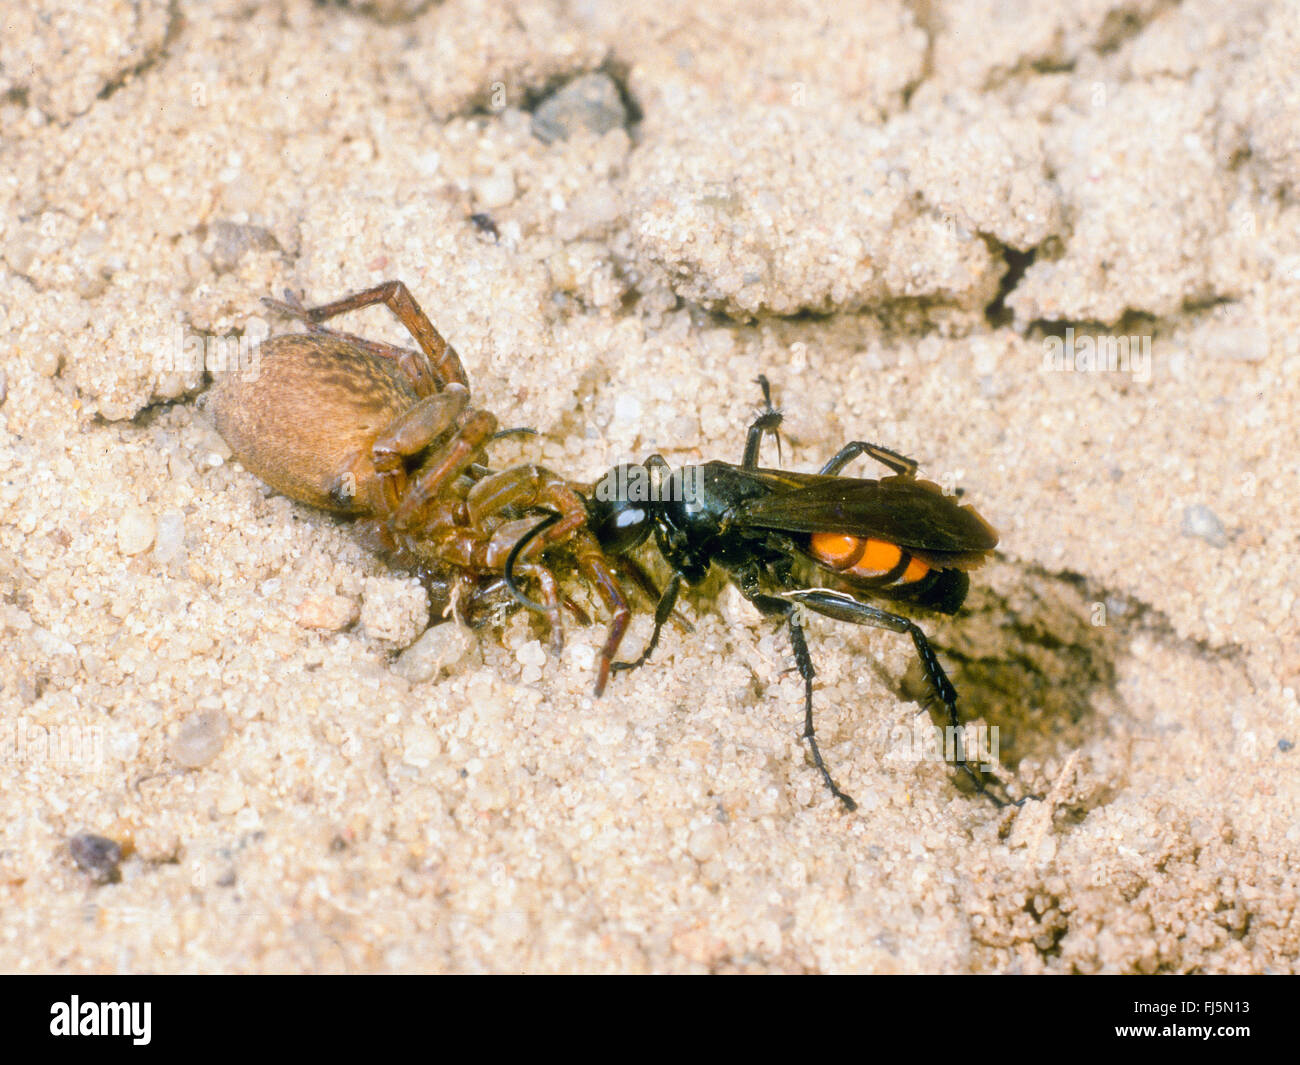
(591, 102)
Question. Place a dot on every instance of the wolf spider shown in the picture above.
(388, 435)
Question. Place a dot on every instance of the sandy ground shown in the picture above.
(902, 216)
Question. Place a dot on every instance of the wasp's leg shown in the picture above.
(633, 569)
(444, 364)
(767, 422)
(900, 464)
(774, 607)
(845, 608)
(663, 612)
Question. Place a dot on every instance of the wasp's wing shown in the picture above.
(913, 514)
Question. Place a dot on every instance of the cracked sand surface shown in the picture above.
(831, 201)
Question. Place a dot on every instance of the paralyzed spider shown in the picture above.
(387, 435)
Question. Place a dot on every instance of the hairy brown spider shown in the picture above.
(388, 435)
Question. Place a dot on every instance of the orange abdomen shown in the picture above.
(864, 557)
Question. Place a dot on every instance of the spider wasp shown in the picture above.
(896, 538)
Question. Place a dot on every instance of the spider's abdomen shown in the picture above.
(305, 416)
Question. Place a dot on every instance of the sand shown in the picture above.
(915, 219)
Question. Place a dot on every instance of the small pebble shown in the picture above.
(50, 644)
(232, 798)
(135, 531)
(97, 856)
(123, 745)
(1200, 521)
(531, 654)
(200, 739)
(1238, 343)
(329, 613)
(169, 539)
(496, 189)
(441, 647)
(394, 610)
(706, 842)
(627, 408)
(581, 655)
(228, 242)
(591, 102)
(209, 449)
(420, 746)
(532, 657)
(47, 361)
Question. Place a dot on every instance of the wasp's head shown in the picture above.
(621, 508)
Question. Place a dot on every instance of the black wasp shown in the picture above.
(896, 538)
